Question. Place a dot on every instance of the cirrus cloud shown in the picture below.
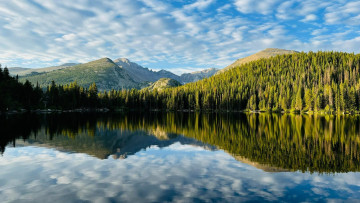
(169, 34)
(176, 173)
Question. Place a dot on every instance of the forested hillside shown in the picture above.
(323, 81)
(299, 81)
(104, 72)
(266, 53)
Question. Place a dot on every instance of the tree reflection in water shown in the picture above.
(269, 141)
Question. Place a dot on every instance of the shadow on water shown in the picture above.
(272, 142)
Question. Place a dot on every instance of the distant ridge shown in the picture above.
(25, 71)
(141, 74)
(70, 64)
(137, 72)
(266, 53)
(197, 75)
(124, 74)
(104, 72)
(18, 70)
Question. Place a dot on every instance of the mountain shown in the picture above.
(198, 75)
(107, 144)
(168, 74)
(163, 83)
(266, 53)
(300, 82)
(314, 82)
(118, 74)
(70, 64)
(33, 71)
(104, 72)
(141, 74)
(17, 70)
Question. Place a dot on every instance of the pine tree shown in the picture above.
(284, 104)
(352, 100)
(262, 105)
(93, 95)
(252, 103)
(298, 101)
(308, 99)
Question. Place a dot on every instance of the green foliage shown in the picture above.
(15, 95)
(298, 81)
(301, 81)
(298, 101)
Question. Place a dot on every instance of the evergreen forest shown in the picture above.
(298, 82)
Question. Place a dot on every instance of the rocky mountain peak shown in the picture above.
(163, 71)
(122, 60)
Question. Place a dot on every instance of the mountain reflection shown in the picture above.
(271, 142)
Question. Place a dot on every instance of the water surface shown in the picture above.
(179, 157)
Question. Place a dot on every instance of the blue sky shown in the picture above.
(177, 35)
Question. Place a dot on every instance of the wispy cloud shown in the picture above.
(199, 4)
(201, 33)
(180, 172)
(251, 6)
(310, 17)
(348, 13)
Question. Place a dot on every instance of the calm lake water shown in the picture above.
(179, 158)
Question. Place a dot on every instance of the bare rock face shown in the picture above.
(141, 74)
(198, 75)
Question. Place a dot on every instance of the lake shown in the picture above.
(179, 157)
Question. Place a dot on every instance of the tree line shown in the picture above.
(322, 81)
(14, 94)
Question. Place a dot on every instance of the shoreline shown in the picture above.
(106, 110)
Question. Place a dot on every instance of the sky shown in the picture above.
(176, 35)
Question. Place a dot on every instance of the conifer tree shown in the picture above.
(298, 101)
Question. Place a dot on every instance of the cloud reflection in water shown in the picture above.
(178, 172)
